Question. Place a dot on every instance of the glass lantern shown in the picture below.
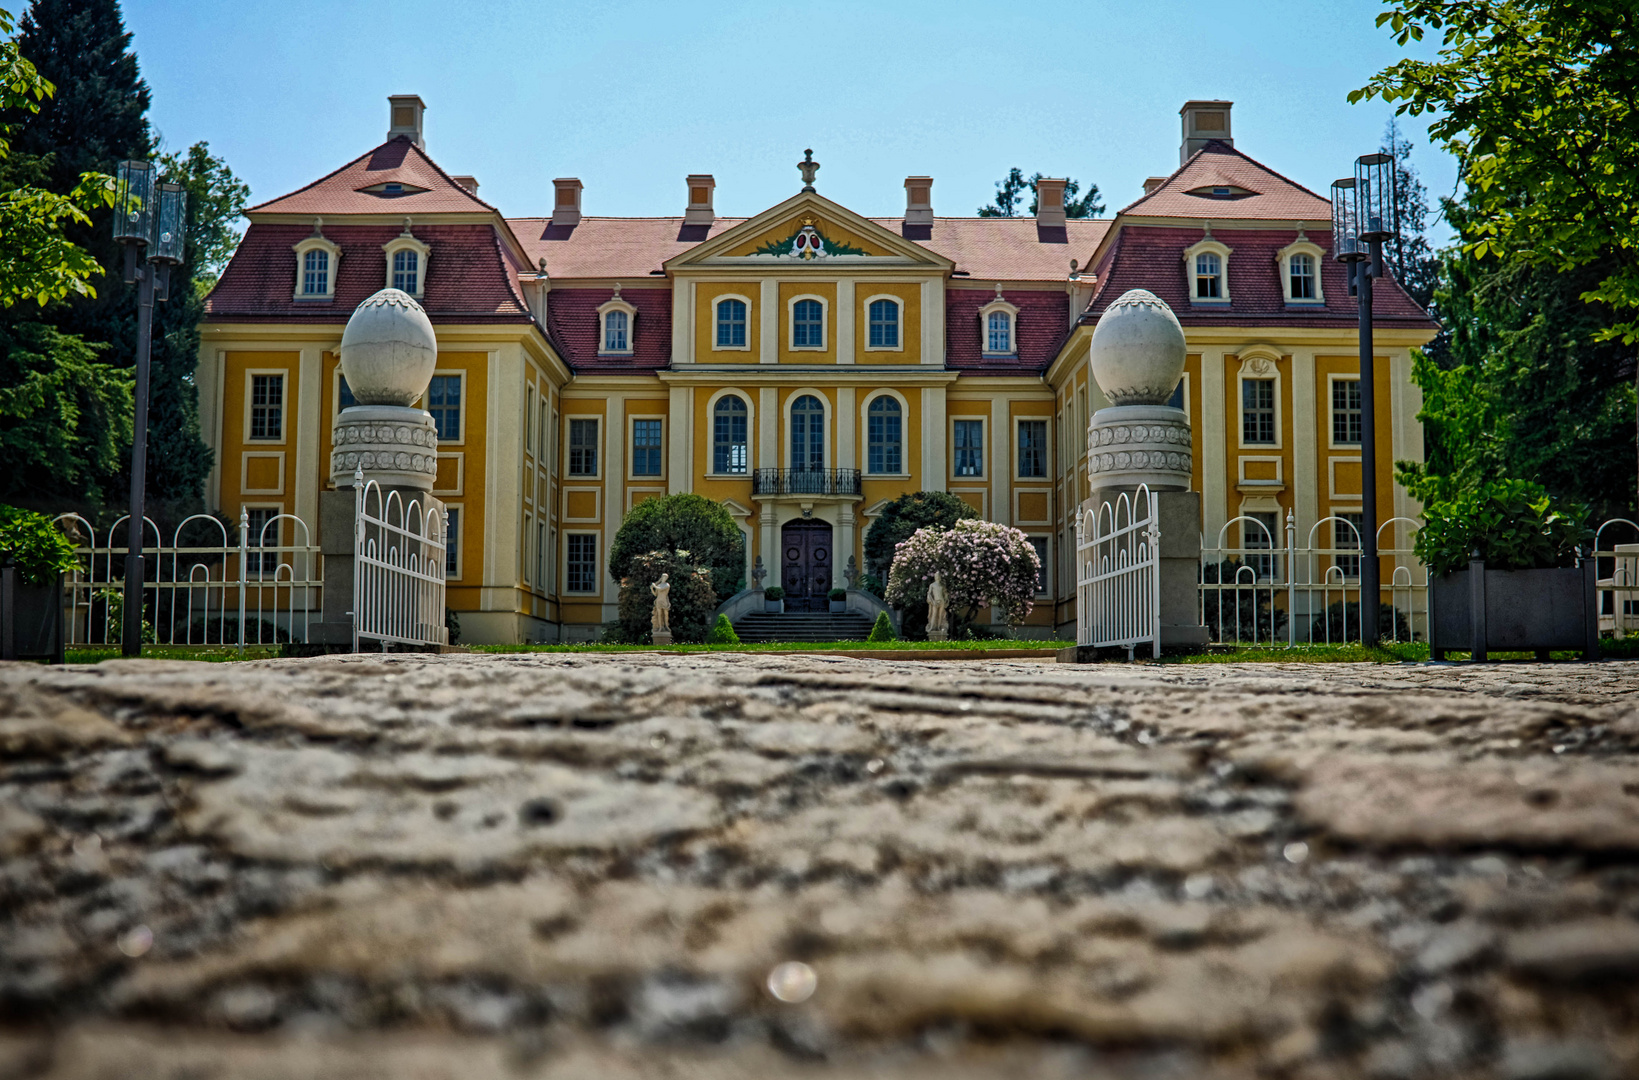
(134, 202)
(169, 223)
(1374, 197)
(1346, 246)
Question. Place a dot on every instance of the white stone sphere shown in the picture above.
(388, 350)
(1137, 354)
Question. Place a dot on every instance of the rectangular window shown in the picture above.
(1255, 540)
(970, 447)
(316, 273)
(1258, 411)
(583, 448)
(263, 532)
(444, 402)
(452, 542)
(1346, 536)
(405, 266)
(808, 324)
(541, 562)
(645, 447)
(1040, 544)
(267, 406)
(581, 554)
(1032, 448)
(1346, 412)
(1303, 277)
(529, 420)
(344, 393)
(884, 324)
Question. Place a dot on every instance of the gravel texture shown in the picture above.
(550, 865)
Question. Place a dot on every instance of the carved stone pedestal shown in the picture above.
(938, 635)
(662, 637)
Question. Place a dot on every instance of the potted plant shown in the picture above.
(839, 601)
(774, 600)
(1507, 573)
(34, 555)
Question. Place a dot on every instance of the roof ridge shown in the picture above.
(1222, 147)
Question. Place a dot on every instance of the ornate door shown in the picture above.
(805, 573)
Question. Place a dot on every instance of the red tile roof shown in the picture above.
(986, 249)
(1152, 257)
(468, 276)
(572, 315)
(398, 160)
(1043, 322)
(1217, 164)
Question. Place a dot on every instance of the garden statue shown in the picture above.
(661, 620)
(938, 600)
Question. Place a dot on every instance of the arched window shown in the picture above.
(731, 324)
(999, 332)
(883, 437)
(1302, 266)
(808, 325)
(316, 273)
(1208, 276)
(807, 433)
(884, 325)
(728, 434)
(615, 324)
(406, 267)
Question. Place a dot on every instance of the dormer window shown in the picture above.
(1220, 191)
(1301, 276)
(1209, 276)
(617, 324)
(1298, 264)
(1206, 265)
(398, 189)
(406, 270)
(998, 327)
(317, 262)
(406, 262)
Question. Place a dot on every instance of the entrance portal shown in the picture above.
(805, 573)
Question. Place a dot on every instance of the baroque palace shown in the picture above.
(803, 366)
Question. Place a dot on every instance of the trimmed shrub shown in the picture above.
(722, 633)
(983, 562)
(774, 592)
(1514, 524)
(838, 594)
(692, 597)
(883, 629)
(697, 528)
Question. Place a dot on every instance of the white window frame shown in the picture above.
(904, 435)
(615, 303)
(597, 567)
(406, 242)
(1332, 379)
(1259, 365)
(1047, 448)
(1044, 579)
(460, 548)
(284, 406)
(425, 402)
(711, 434)
(529, 423)
(1283, 259)
(1012, 312)
(984, 446)
(791, 324)
(718, 299)
(631, 447)
(318, 243)
(899, 322)
(253, 538)
(568, 426)
(1208, 246)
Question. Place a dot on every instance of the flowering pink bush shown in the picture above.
(982, 561)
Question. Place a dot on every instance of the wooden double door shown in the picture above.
(805, 571)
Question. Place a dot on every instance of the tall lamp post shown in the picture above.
(148, 220)
(1363, 216)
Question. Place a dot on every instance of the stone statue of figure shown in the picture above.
(662, 617)
(938, 599)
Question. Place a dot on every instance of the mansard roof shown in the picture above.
(1257, 191)
(348, 190)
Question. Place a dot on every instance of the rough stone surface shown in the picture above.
(546, 866)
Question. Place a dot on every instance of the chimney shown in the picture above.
(1204, 120)
(468, 182)
(919, 200)
(566, 201)
(404, 117)
(699, 211)
(1152, 183)
(1050, 202)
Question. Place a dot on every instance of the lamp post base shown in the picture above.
(131, 612)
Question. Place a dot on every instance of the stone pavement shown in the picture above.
(543, 866)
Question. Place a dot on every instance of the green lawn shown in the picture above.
(96, 654)
(787, 646)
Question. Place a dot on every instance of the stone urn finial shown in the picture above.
(388, 350)
(1137, 353)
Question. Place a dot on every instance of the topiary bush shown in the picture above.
(722, 633)
(882, 630)
(692, 597)
(1514, 524)
(699, 529)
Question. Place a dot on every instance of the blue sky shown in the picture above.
(631, 96)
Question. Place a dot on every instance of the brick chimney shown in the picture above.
(699, 211)
(919, 200)
(1050, 202)
(1203, 121)
(404, 117)
(468, 182)
(1153, 182)
(566, 200)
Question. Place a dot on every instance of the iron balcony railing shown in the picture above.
(805, 482)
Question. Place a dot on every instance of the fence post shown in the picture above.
(8, 612)
(1291, 587)
(244, 570)
(1476, 608)
(1155, 573)
(358, 550)
(1590, 604)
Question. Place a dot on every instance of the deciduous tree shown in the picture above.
(1010, 191)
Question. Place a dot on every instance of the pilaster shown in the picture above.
(1001, 472)
(934, 438)
(614, 492)
(311, 425)
(1214, 447)
(847, 455)
(768, 351)
(1307, 438)
(680, 441)
(845, 321)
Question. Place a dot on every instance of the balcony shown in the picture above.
(836, 483)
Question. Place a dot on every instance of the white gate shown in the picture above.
(398, 569)
(1118, 560)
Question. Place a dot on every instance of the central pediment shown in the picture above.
(809, 230)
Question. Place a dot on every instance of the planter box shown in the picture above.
(773, 607)
(31, 619)
(1519, 611)
(838, 607)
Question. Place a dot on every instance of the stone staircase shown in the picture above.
(813, 626)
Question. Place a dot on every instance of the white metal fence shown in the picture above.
(202, 588)
(1616, 551)
(1118, 561)
(1272, 591)
(398, 569)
